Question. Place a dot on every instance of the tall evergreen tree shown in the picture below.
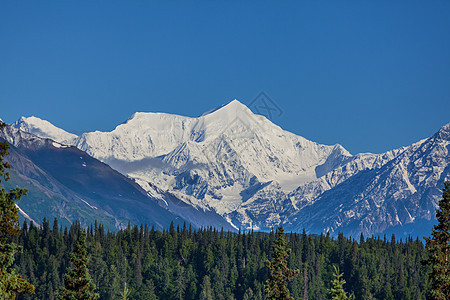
(439, 249)
(10, 283)
(207, 291)
(280, 275)
(305, 282)
(337, 291)
(78, 284)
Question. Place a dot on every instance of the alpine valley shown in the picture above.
(228, 168)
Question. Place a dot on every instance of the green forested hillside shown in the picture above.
(181, 263)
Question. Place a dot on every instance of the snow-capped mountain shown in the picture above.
(256, 175)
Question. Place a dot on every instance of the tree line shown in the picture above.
(182, 263)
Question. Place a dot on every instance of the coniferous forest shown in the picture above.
(182, 263)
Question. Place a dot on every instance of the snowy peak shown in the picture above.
(446, 127)
(44, 129)
(444, 132)
(231, 106)
(148, 135)
(228, 113)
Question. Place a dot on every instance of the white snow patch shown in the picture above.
(231, 223)
(58, 145)
(91, 206)
(157, 196)
(151, 192)
(27, 216)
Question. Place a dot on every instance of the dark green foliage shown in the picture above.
(78, 284)
(10, 283)
(280, 274)
(179, 264)
(439, 249)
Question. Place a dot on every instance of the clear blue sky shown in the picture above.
(370, 75)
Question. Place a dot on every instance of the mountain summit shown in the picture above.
(44, 129)
(256, 175)
(233, 105)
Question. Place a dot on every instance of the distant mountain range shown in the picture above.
(233, 167)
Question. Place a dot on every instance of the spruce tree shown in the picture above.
(10, 283)
(337, 291)
(439, 249)
(78, 284)
(280, 274)
(206, 289)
